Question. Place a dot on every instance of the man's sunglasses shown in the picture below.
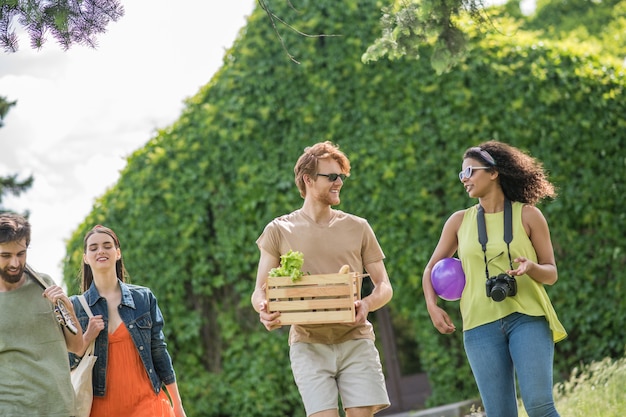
(333, 177)
(467, 172)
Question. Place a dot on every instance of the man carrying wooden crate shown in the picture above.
(331, 359)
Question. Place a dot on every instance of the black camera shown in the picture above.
(501, 286)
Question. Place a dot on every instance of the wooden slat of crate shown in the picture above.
(312, 304)
(317, 317)
(311, 291)
(314, 299)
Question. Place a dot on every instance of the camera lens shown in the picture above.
(498, 293)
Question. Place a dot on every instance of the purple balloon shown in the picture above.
(448, 279)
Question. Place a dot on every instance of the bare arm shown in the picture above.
(446, 247)
(177, 403)
(259, 302)
(544, 270)
(380, 295)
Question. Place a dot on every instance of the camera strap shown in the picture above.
(508, 231)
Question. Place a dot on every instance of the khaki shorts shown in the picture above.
(351, 370)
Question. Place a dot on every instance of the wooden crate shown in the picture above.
(314, 299)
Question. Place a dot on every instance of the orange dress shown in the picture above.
(128, 392)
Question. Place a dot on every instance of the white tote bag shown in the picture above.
(82, 374)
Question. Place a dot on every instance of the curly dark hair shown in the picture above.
(522, 176)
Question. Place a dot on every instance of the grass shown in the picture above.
(596, 389)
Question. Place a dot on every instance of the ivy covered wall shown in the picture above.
(190, 204)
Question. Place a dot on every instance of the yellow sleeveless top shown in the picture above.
(531, 299)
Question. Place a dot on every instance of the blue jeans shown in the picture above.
(519, 344)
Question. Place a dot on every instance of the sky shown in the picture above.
(80, 113)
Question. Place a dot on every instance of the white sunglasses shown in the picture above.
(467, 172)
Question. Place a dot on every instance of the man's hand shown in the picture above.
(74, 337)
(362, 310)
(271, 321)
(55, 293)
(64, 310)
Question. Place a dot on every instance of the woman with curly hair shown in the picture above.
(503, 242)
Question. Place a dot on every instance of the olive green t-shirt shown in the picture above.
(34, 367)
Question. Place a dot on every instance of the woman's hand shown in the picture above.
(523, 267)
(441, 320)
(95, 326)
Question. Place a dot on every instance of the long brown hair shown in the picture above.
(87, 273)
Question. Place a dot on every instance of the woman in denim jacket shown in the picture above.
(133, 362)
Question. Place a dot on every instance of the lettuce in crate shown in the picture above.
(290, 266)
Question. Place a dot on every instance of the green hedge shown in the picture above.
(189, 205)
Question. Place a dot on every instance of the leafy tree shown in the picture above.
(189, 205)
(69, 21)
(409, 25)
(446, 25)
(5, 106)
(10, 184)
(600, 24)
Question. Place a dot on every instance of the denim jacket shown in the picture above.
(142, 317)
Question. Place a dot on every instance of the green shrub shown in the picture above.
(190, 204)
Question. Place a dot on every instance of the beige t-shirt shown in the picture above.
(346, 240)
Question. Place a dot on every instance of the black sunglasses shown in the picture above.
(333, 177)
